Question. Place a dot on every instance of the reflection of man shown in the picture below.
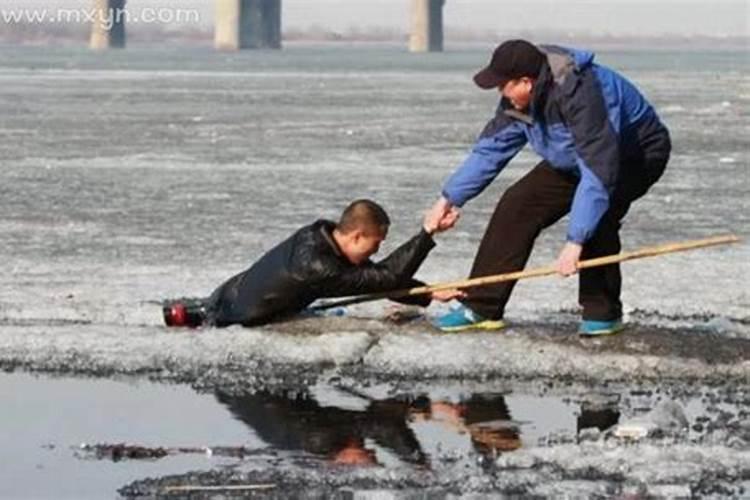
(355, 453)
(599, 413)
(300, 423)
(485, 418)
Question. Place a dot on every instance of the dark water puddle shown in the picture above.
(46, 420)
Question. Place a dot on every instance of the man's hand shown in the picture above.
(567, 262)
(441, 217)
(448, 295)
(449, 220)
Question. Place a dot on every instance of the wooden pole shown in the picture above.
(536, 273)
(228, 487)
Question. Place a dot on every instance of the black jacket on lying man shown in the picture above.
(307, 266)
(324, 259)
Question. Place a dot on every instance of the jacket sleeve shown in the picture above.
(392, 273)
(414, 300)
(500, 141)
(597, 153)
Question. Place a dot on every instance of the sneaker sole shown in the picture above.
(481, 326)
(602, 333)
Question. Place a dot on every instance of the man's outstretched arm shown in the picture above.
(395, 271)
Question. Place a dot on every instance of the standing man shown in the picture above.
(602, 147)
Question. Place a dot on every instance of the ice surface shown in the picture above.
(578, 471)
(123, 197)
(141, 176)
(370, 347)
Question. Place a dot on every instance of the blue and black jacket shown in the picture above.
(584, 119)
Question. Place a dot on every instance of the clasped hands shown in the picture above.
(443, 216)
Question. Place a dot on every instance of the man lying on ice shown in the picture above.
(325, 259)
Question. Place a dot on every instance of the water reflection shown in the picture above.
(344, 426)
(485, 418)
(299, 422)
(598, 412)
(378, 428)
(419, 429)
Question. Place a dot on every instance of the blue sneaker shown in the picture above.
(593, 328)
(462, 319)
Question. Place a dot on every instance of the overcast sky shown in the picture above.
(618, 17)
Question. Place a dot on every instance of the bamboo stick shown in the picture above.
(652, 251)
(228, 487)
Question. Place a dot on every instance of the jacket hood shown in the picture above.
(562, 60)
(581, 58)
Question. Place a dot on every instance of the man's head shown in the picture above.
(362, 227)
(513, 69)
(354, 452)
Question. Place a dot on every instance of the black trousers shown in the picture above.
(537, 201)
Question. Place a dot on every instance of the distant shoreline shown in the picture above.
(40, 35)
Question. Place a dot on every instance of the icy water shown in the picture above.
(138, 175)
(47, 422)
(52, 427)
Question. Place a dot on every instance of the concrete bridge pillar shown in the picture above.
(248, 24)
(108, 31)
(426, 26)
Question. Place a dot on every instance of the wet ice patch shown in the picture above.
(651, 468)
(534, 351)
(141, 240)
(721, 326)
(729, 327)
(338, 348)
(411, 351)
(569, 470)
(717, 108)
(672, 109)
(202, 196)
(666, 418)
(77, 348)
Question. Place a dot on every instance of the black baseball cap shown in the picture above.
(510, 60)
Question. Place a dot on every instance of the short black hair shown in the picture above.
(365, 215)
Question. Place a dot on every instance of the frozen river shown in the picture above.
(144, 175)
(131, 177)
